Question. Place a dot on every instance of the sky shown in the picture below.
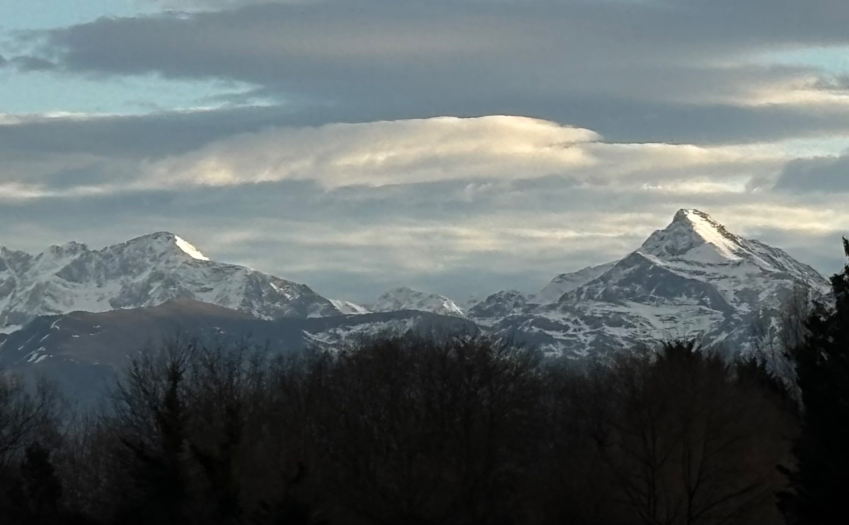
(455, 146)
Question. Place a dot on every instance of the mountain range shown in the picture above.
(77, 313)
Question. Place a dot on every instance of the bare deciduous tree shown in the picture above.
(685, 440)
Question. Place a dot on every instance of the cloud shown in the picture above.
(379, 32)
(480, 157)
(382, 153)
(28, 64)
(821, 174)
(206, 5)
(427, 55)
(471, 164)
(689, 71)
(419, 151)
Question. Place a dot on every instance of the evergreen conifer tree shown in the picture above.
(819, 482)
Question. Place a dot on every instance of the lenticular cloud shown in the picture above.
(439, 149)
(383, 153)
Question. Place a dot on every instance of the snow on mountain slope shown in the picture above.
(404, 298)
(692, 279)
(743, 273)
(145, 271)
(695, 240)
(190, 250)
(349, 308)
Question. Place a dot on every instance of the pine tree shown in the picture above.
(819, 484)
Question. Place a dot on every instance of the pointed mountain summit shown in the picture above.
(159, 246)
(694, 239)
(146, 271)
(693, 278)
(695, 234)
(696, 259)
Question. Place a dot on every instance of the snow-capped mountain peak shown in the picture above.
(693, 278)
(145, 271)
(695, 240)
(694, 234)
(403, 298)
(161, 244)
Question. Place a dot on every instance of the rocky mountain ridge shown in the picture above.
(693, 278)
(146, 271)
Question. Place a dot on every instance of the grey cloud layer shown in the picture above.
(619, 120)
(313, 37)
(205, 5)
(666, 71)
(821, 174)
(422, 53)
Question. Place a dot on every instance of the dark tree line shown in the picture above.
(466, 431)
(403, 430)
